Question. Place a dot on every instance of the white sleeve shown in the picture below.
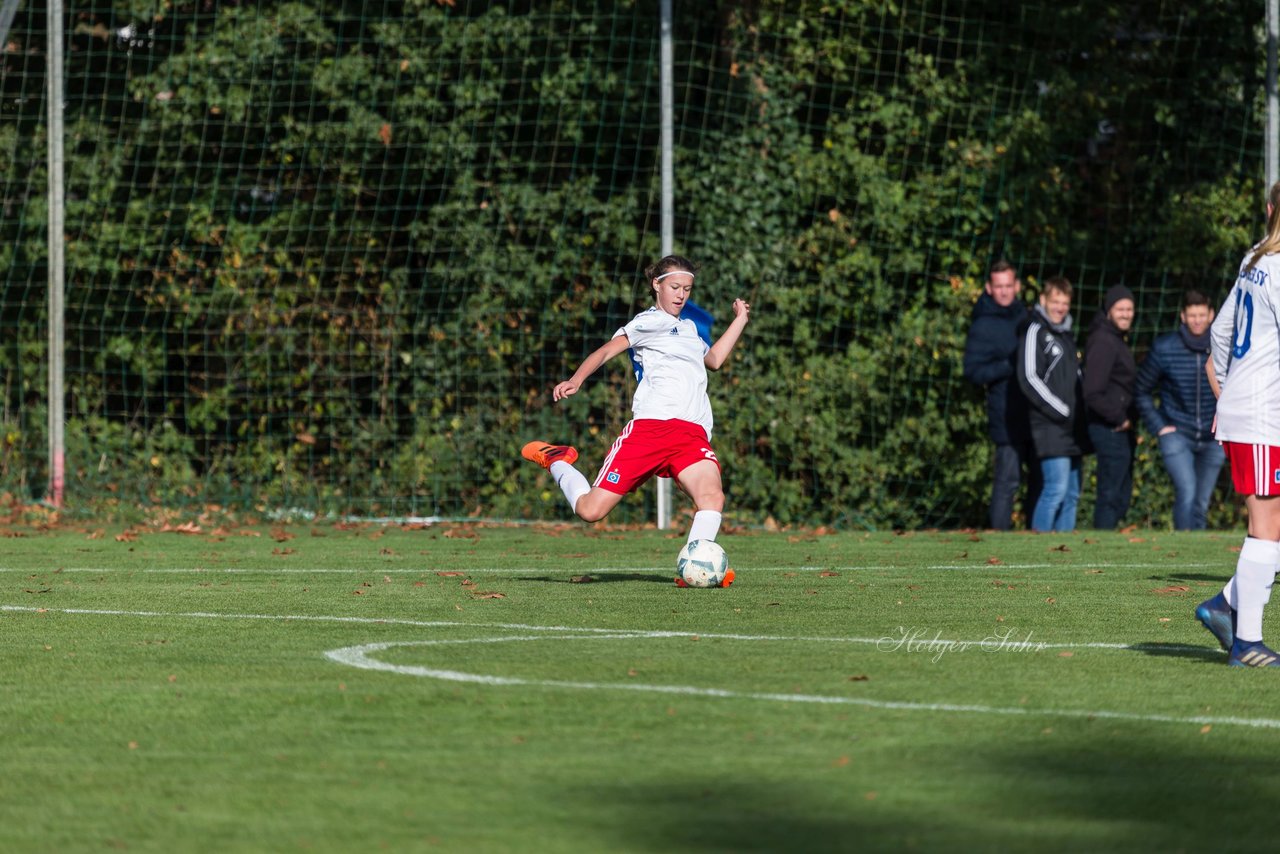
(1222, 334)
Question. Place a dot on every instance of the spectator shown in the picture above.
(1183, 419)
(1109, 377)
(989, 352)
(1049, 376)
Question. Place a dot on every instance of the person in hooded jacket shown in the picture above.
(1109, 377)
(1049, 376)
(1182, 421)
(989, 351)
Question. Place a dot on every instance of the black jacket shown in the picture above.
(1049, 375)
(989, 352)
(1109, 374)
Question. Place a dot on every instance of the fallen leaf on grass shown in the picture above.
(841, 762)
(861, 677)
(280, 535)
(994, 561)
(1093, 572)
(450, 574)
(1137, 539)
(1172, 590)
(1205, 729)
(386, 551)
(828, 573)
(126, 537)
(489, 595)
(461, 534)
(1066, 654)
(1164, 619)
(581, 579)
(283, 552)
(1061, 548)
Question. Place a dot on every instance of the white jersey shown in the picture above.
(674, 379)
(1246, 356)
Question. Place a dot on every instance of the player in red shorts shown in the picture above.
(670, 431)
(1246, 361)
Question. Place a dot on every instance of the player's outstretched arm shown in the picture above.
(589, 366)
(719, 352)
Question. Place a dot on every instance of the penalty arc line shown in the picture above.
(361, 657)
(357, 657)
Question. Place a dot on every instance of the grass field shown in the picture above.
(333, 688)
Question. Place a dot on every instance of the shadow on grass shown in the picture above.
(1206, 654)
(1220, 578)
(600, 578)
(1075, 786)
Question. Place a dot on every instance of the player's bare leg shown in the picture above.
(701, 482)
(596, 504)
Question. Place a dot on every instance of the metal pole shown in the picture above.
(667, 105)
(1273, 105)
(57, 255)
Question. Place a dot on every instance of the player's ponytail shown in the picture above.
(1271, 243)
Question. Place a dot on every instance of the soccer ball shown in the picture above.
(702, 563)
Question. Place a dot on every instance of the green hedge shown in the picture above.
(334, 257)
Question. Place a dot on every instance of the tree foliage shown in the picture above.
(334, 256)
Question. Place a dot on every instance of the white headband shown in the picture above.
(672, 273)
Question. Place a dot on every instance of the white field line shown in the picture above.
(359, 656)
(593, 570)
(362, 657)
(902, 638)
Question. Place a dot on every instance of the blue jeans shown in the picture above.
(1056, 509)
(1194, 467)
(1008, 461)
(1114, 473)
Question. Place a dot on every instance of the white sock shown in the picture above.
(706, 524)
(1255, 573)
(572, 483)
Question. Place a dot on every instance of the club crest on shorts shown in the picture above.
(613, 477)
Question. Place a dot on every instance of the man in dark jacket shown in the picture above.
(1109, 376)
(1049, 376)
(989, 352)
(1183, 420)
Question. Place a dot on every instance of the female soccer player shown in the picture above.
(670, 432)
(1246, 362)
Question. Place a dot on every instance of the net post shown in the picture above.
(56, 255)
(1273, 104)
(667, 109)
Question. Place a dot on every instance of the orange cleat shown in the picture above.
(728, 577)
(545, 454)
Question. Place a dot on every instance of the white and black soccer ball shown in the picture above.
(702, 563)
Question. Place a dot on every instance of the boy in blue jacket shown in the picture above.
(1183, 419)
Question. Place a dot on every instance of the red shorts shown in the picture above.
(1255, 469)
(650, 446)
